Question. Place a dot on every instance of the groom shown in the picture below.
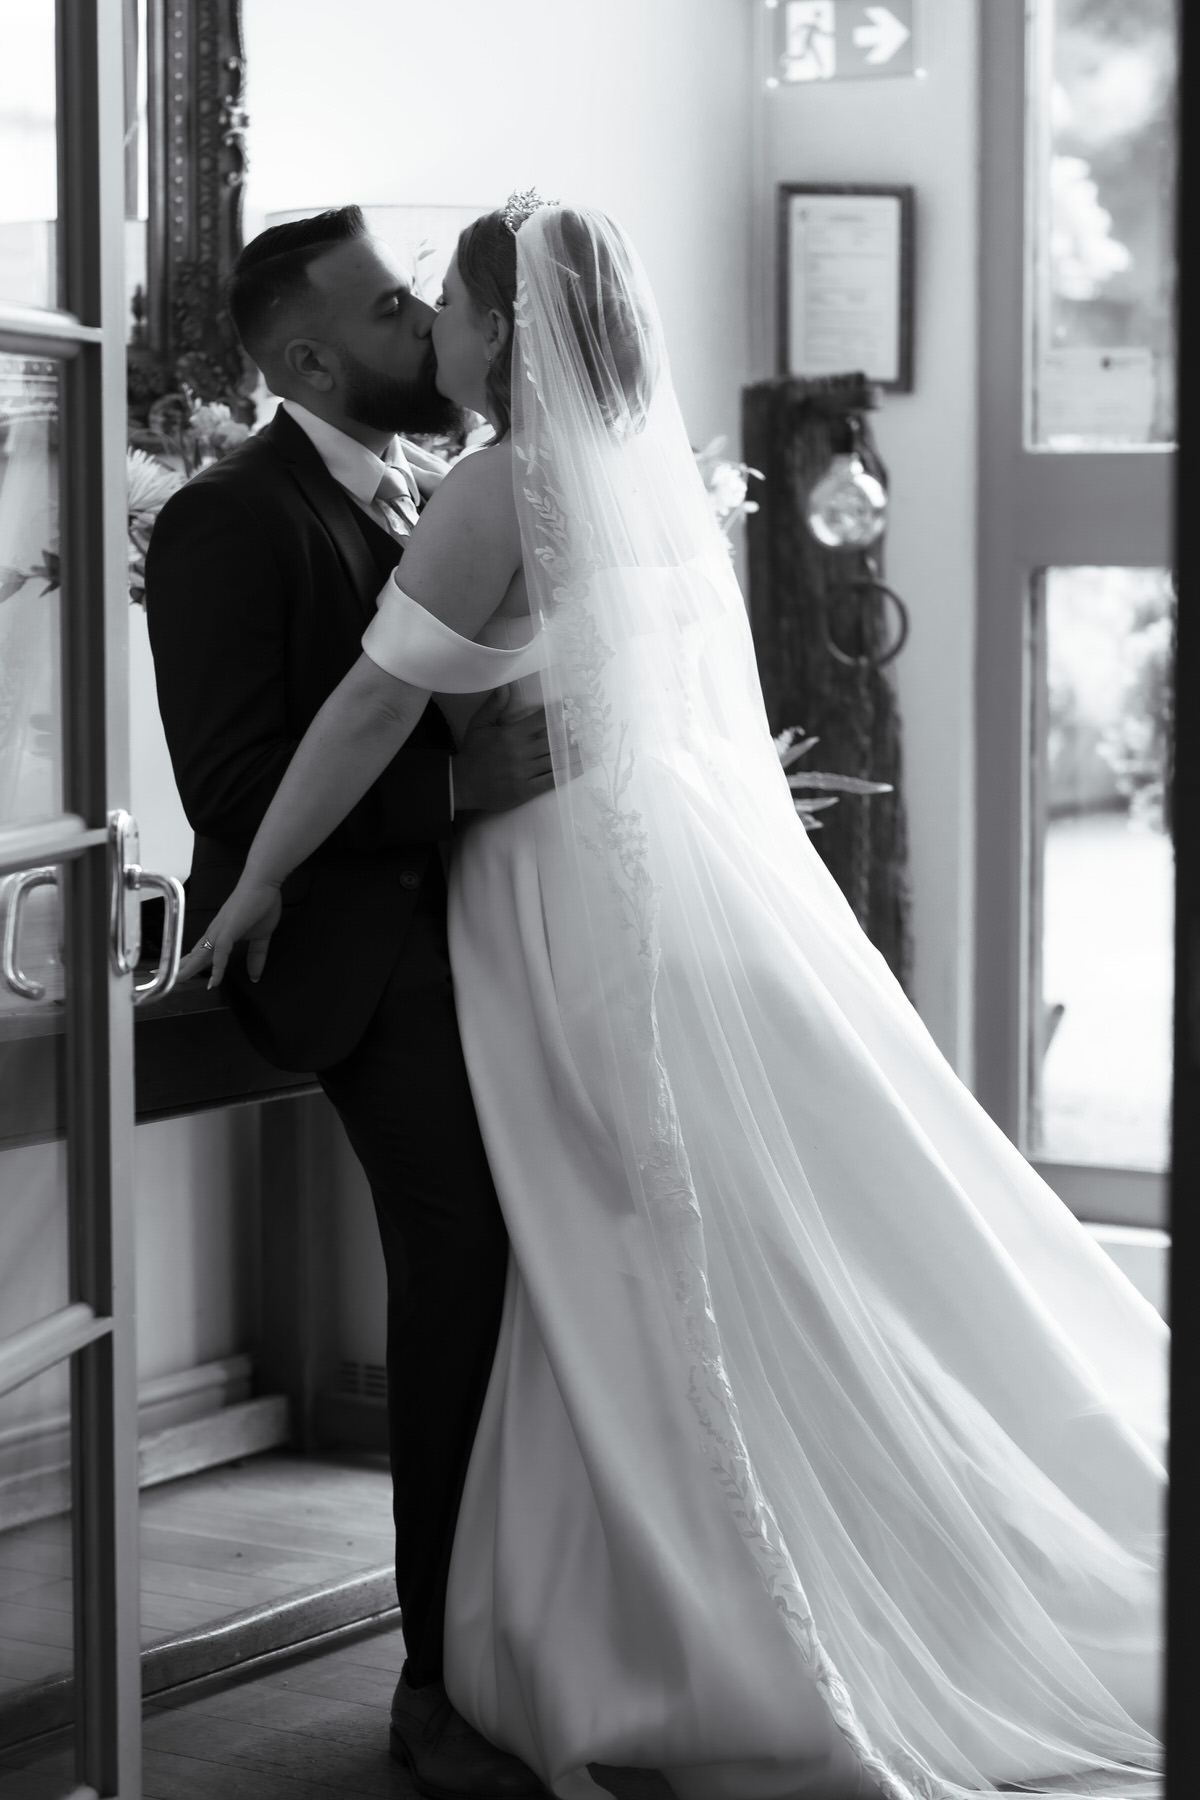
(261, 577)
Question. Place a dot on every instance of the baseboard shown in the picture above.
(42, 1487)
(164, 1401)
(220, 1437)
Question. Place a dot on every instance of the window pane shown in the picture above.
(30, 700)
(1102, 145)
(34, 1260)
(1102, 862)
(36, 1581)
(28, 153)
(36, 1596)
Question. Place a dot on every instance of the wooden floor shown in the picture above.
(212, 1544)
(309, 1726)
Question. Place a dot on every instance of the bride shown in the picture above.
(822, 1452)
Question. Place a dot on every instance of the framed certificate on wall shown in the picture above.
(845, 282)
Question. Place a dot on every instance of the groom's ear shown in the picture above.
(308, 362)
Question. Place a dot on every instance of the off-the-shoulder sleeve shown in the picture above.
(414, 646)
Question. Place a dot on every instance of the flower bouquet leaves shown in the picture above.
(813, 789)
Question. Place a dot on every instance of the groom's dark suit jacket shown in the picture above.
(261, 577)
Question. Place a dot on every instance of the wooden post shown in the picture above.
(803, 600)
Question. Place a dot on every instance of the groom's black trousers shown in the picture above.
(403, 1097)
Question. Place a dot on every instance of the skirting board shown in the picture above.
(221, 1436)
(42, 1442)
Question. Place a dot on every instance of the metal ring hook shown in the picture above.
(871, 585)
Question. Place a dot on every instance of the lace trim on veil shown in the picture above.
(619, 844)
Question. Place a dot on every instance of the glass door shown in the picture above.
(1076, 603)
(69, 899)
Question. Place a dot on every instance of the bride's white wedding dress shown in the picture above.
(950, 1397)
(823, 1451)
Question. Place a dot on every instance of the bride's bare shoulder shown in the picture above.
(466, 547)
(481, 478)
(476, 496)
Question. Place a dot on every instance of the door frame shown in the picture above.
(85, 335)
(1037, 509)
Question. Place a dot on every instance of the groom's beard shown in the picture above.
(386, 403)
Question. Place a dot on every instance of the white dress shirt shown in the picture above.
(356, 468)
(359, 471)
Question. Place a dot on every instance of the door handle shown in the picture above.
(19, 887)
(129, 883)
(167, 972)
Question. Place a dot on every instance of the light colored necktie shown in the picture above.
(396, 501)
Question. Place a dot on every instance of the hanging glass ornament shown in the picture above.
(847, 507)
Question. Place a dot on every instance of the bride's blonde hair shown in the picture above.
(487, 266)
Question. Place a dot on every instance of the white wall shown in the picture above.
(922, 130)
(197, 1239)
(165, 837)
(641, 107)
(196, 1203)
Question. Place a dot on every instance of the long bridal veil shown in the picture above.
(931, 1406)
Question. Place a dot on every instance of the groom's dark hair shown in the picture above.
(272, 270)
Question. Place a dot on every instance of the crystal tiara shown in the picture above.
(518, 207)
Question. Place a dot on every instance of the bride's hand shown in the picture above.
(251, 911)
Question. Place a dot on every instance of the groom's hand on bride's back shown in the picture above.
(502, 762)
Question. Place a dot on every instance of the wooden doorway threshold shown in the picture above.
(305, 1543)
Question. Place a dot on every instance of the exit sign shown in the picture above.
(842, 40)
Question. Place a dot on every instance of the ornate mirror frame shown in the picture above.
(196, 126)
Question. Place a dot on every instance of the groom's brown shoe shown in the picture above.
(449, 1760)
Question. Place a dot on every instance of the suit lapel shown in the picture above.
(346, 524)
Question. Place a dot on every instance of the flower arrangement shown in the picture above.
(186, 434)
(182, 436)
(149, 484)
(727, 485)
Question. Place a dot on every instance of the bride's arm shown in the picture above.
(459, 564)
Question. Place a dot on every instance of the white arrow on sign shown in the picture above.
(883, 36)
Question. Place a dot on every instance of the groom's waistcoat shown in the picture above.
(261, 577)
